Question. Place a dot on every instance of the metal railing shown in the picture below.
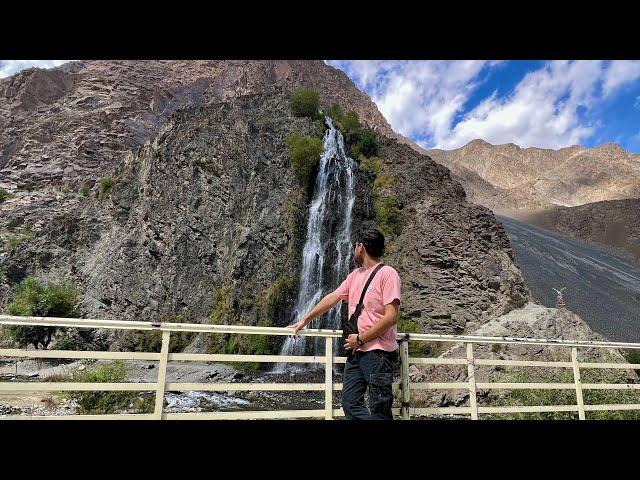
(328, 360)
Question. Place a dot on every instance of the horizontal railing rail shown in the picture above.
(328, 360)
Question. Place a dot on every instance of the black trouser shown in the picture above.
(372, 370)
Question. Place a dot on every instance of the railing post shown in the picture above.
(471, 372)
(328, 379)
(578, 382)
(404, 378)
(162, 375)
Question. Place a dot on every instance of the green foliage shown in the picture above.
(101, 403)
(360, 140)
(385, 206)
(305, 102)
(632, 356)
(348, 123)
(365, 143)
(32, 298)
(4, 195)
(305, 154)
(335, 114)
(84, 191)
(12, 241)
(151, 340)
(417, 349)
(566, 397)
(266, 307)
(351, 124)
(371, 166)
(221, 306)
(106, 184)
(69, 343)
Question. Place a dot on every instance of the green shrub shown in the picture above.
(335, 114)
(305, 154)
(370, 166)
(32, 298)
(305, 102)
(104, 403)
(106, 184)
(84, 191)
(350, 124)
(4, 195)
(388, 215)
(385, 206)
(365, 143)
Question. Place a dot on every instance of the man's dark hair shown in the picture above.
(373, 241)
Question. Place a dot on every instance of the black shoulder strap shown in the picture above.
(366, 285)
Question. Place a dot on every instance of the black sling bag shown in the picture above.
(351, 325)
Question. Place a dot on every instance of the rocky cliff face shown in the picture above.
(74, 124)
(510, 177)
(204, 203)
(613, 223)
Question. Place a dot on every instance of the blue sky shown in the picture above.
(551, 104)
(446, 104)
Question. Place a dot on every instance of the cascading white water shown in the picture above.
(328, 226)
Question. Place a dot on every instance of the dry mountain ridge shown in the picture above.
(510, 177)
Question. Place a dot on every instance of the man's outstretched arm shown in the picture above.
(327, 303)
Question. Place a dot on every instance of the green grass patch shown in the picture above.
(104, 403)
(304, 153)
(565, 397)
(5, 195)
(84, 191)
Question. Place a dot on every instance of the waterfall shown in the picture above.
(328, 238)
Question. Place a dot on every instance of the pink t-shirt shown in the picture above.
(384, 289)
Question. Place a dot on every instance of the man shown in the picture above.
(373, 351)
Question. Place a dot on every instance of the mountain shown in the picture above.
(509, 177)
(201, 214)
(73, 124)
(614, 223)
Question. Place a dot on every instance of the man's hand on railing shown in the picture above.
(297, 326)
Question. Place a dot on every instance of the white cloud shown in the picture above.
(9, 67)
(417, 97)
(542, 111)
(620, 73)
(424, 100)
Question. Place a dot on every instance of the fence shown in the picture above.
(328, 360)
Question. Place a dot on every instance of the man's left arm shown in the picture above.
(389, 319)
